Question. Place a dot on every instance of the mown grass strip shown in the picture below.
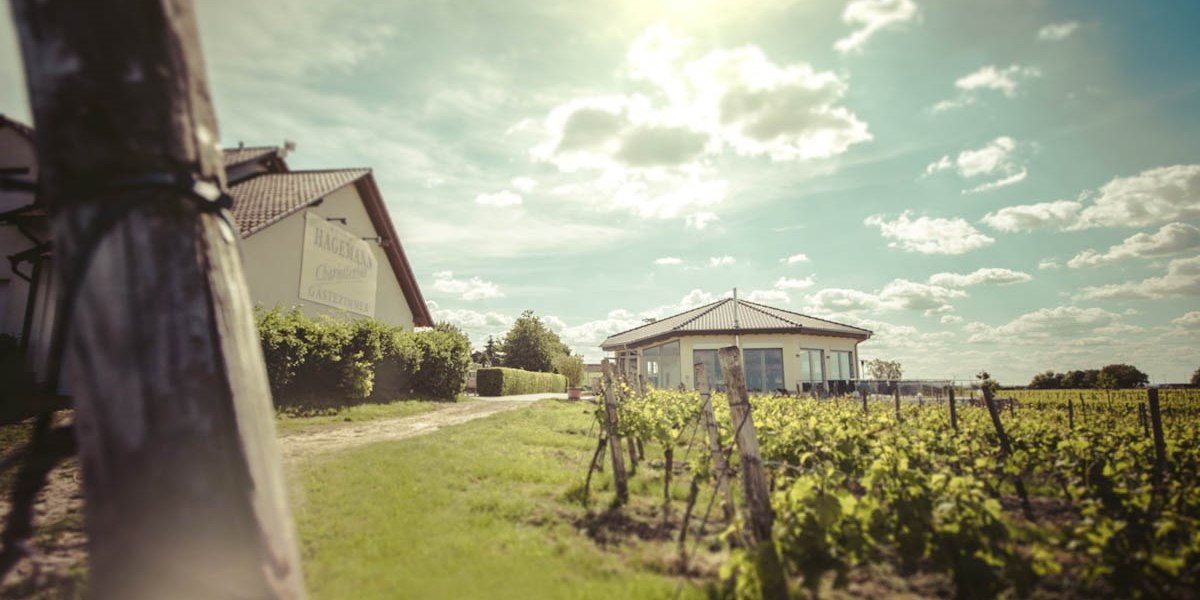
(474, 511)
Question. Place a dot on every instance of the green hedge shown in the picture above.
(322, 364)
(502, 381)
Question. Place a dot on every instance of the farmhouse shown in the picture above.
(321, 240)
(781, 350)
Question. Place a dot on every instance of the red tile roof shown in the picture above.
(267, 198)
(245, 154)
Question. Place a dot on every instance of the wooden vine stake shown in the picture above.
(896, 395)
(758, 502)
(1071, 414)
(953, 410)
(610, 427)
(1006, 449)
(183, 481)
(1160, 446)
(864, 400)
(704, 386)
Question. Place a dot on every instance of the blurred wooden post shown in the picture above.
(1071, 414)
(184, 488)
(1006, 449)
(953, 409)
(864, 400)
(1160, 446)
(610, 427)
(714, 440)
(758, 501)
(896, 395)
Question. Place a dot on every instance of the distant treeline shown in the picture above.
(1111, 377)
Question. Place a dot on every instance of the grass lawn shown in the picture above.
(291, 424)
(482, 510)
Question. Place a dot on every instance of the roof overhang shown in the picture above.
(667, 335)
(377, 211)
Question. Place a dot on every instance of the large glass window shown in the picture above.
(841, 366)
(660, 365)
(709, 357)
(764, 369)
(812, 369)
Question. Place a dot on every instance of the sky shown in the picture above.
(1003, 186)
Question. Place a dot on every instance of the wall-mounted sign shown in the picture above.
(337, 268)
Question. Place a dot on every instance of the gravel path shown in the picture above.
(302, 445)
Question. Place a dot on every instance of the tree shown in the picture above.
(1196, 377)
(1121, 376)
(1047, 381)
(885, 369)
(491, 352)
(531, 346)
(570, 367)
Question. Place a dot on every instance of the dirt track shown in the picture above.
(61, 549)
(300, 445)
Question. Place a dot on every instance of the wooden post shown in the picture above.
(720, 469)
(864, 401)
(610, 425)
(184, 489)
(1071, 414)
(953, 410)
(1160, 446)
(1006, 449)
(766, 559)
(633, 459)
(1143, 422)
(896, 395)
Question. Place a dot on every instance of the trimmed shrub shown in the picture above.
(445, 358)
(502, 381)
(321, 364)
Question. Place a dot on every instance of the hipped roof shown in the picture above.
(719, 318)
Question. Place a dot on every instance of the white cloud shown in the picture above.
(899, 294)
(1017, 177)
(466, 289)
(721, 261)
(768, 297)
(1048, 263)
(699, 220)
(1151, 197)
(987, 275)
(500, 199)
(654, 154)
(1172, 238)
(478, 325)
(872, 16)
(668, 260)
(786, 283)
(993, 159)
(524, 184)
(927, 235)
(1004, 80)
(795, 258)
(1056, 32)
(1182, 279)
(1189, 321)
(990, 78)
(947, 319)
(1032, 216)
(1059, 326)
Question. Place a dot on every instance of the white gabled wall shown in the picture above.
(789, 343)
(272, 261)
